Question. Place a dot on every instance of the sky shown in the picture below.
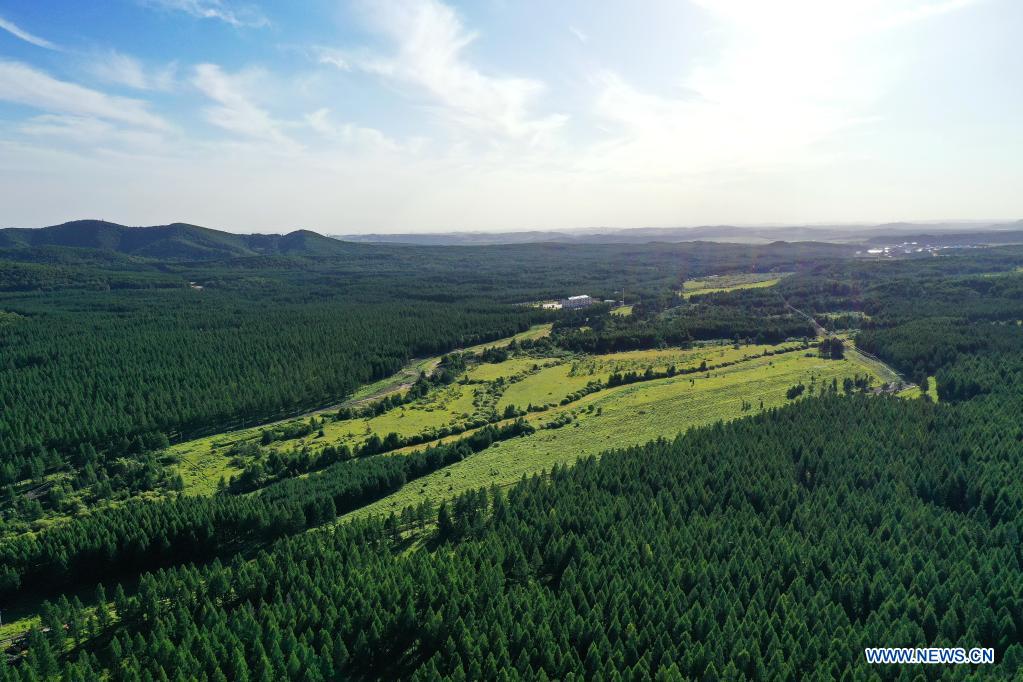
(346, 116)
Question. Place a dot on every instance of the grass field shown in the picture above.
(407, 375)
(547, 386)
(615, 417)
(404, 378)
(553, 383)
(915, 392)
(623, 310)
(203, 461)
(628, 415)
(519, 381)
(537, 331)
(660, 359)
(492, 371)
(712, 285)
(885, 373)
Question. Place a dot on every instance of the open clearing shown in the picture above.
(203, 461)
(735, 382)
(719, 283)
(629, 415)
(520, 381)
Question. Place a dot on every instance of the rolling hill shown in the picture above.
(177, 241)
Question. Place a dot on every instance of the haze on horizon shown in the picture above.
(348, 116)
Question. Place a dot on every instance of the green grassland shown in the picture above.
(844, 313)
(405, 377)
(914, 391)
(486, 390)
(545, 387)
(551, 384)
(202, 462)
(513, 367)
(612, 417)
(629, 415)
(715, 353)
(712, 285)
(518, 381)
(623, 310)
(885, 373)
(537, 331)
(394, 383)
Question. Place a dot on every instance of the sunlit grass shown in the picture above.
(629, 415)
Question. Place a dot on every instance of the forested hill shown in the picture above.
(177, 241)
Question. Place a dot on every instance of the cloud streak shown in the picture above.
(235, 111)
(121, 69)
(238, 16)
(18, 32)
(23, 84)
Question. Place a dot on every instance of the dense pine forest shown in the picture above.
(776, 546)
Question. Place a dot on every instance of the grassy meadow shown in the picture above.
(719, 283)
(628, 415)
(612, 417)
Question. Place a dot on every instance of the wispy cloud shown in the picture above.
(430, 40)
(121, 69)
(235, 110)
(18, 32)
(580, 35)
(90, 133)
(236, 15)
(332, 57)
(352, 135)
(23, 84)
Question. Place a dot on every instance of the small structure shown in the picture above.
(575, 302)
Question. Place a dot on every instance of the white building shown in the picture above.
(573, 302)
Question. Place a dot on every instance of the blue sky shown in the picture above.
(411, 115)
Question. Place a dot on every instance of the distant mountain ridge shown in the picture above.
(721, 233)
(185, 242)
(177, 241)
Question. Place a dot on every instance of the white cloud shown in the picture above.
(332, 57)
(580, 35)
(431, 39)
(121, 69)
(92, 133)
(352, 135)
(22, 84)
(236, 111)
(235, 15)
(17, 32)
